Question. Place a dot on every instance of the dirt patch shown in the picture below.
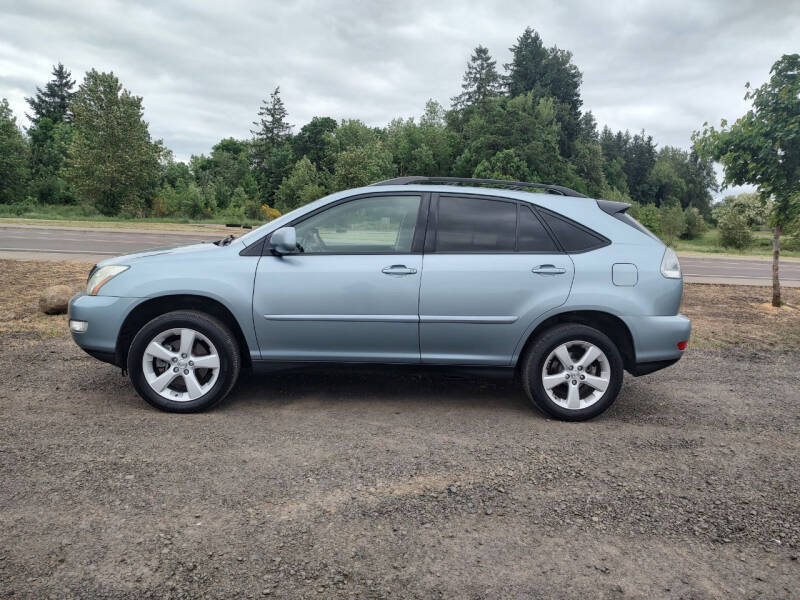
(741, 315)
(359, 483)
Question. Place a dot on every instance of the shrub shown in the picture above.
(672, 223)
(695, 224)
(734, 230)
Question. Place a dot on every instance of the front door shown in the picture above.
(351, 291)
(491, 268)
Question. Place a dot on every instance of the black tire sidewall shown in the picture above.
(210, 327)
(542, 348)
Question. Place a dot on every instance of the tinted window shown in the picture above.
(475, 225)
(383, 224)
(533, 237)
(571, 237)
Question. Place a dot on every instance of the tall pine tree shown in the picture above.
(547, 72)
(273, 129)
(481, 81)
(52, 102)
(272, 152)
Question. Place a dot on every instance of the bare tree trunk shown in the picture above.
(776, 252)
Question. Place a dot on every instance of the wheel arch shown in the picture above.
(153, 307)
(611, 325)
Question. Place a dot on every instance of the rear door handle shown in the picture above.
(548, 270)
(398, 270)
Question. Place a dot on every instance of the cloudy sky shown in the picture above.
(204, 66)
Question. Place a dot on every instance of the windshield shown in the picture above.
(256, 234)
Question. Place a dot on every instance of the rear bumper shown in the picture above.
(105, 315)
(655, 339)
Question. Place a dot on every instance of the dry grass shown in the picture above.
(722, 315)
(21, 282)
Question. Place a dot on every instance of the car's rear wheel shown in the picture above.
(184, 361)
(572, 372)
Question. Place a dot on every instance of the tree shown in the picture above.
(112, 161)
(272, 127)
(13, 157)
(547, 72)
(49, 143)
(672, 223)
(313, 139)
(53, 102)
(361, 166)
(695, 224)
(301, 186)
(481, 81)
(762, 148)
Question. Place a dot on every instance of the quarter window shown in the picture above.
(475, 225)
(571, 237)
(376, 225)
(533, 237)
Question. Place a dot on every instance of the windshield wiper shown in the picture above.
(226, 240)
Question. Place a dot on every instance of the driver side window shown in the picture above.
(377, 225)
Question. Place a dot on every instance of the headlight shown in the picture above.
(99, 277)
(670, 265)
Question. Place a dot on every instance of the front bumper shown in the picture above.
(105, 316)
(655, 340)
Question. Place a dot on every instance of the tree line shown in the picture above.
(89, 147)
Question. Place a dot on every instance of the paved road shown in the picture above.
(97, 244)
(87, 244)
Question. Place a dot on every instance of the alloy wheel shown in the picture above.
(181, 364)
(576, 374)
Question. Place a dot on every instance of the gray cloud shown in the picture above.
(204, 66)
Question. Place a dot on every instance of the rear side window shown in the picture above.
(476, 225)
(533, 237)
(571, 236)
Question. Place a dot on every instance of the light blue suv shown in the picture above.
(562, 290)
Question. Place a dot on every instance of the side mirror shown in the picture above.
(283, 241)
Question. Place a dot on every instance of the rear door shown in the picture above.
(491, 267)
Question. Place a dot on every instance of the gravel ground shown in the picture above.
(373, 484)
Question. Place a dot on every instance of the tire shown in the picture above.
(549, 383)
(190, 388)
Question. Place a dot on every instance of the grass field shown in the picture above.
(762, 245)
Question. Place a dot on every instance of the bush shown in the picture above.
(672, 223)
(734, 230)
(695, 224)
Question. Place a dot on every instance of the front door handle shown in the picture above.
(398, 270)
(548, 270)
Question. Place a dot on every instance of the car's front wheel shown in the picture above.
(184, 361)
(572, 372)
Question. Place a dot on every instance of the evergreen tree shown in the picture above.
(481, 81)
(112, 161)
(53, 102)
(13, 157)
(272, 153)
(272, 127)
(547, 72)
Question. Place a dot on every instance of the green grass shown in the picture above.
(83, 213)
(761, 246)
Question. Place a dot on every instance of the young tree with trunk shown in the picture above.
(762, 148)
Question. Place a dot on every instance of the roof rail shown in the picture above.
(515, 185)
